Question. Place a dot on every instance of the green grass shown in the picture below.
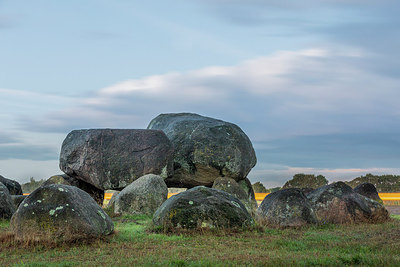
(136, 242)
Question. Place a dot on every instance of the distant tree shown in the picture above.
(274, 189)
(30, 186)
(302, 180)
(383, 183)
(258, 187)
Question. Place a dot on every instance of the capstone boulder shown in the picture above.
(205, 149)
(114, 158)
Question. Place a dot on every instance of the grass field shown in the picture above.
(136, 242)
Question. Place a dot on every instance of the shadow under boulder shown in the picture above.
(7, 207)
(94, 192)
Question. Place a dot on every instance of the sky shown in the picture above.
(314, 83)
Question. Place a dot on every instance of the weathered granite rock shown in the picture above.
(232, 187)
(338, 203)
(368, 190)
(13, 187)
(286, 208)
(143, 196)
(17, 199)
(248, 188)
(205, 149)
(94, 192)
(114, 158)
(7, 207)
(60, 213)
(202, 207)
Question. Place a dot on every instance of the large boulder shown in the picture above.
(368, 190)
(202, 207)
(7, 207)
(142, 196)
(60, 213)
(94, 192)
(114, 158)
(232, 187)
(205, 149)
(286, 208)
(13, 186)
(338, 203)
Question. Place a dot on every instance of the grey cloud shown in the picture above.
(7, 138)
(31, 152)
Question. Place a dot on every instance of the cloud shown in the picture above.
(314, 108)
(307, 92)
(27, 151)
(7, 139)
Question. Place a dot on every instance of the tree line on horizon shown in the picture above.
(384, 183)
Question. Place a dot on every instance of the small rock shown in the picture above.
(368, 190)
(13, 186)
(143, 196)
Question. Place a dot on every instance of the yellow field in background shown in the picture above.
(261, 196)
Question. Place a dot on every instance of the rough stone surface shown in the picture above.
(143, 196)
(286, 208)
(368, 190)
(205, 149)
(7, 207)
(248, 188)
(202, 207)
(232, 187)
(60, 212)
(114, 158)
(338, 203)
(13, 186)
(17, 199)
(94, 192)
